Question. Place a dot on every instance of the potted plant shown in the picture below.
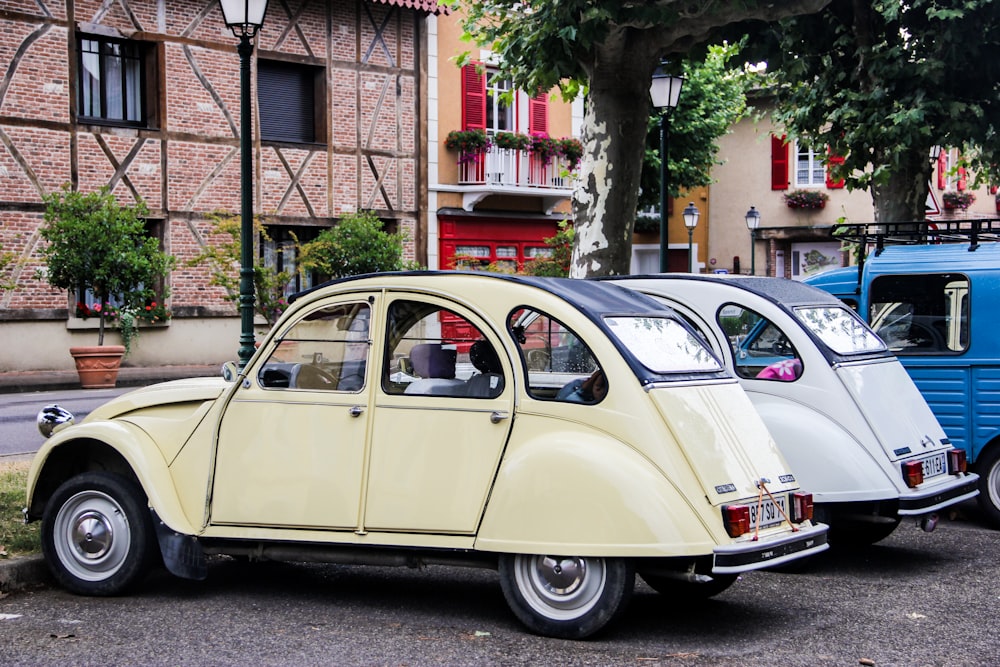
(957, 199)
(469, 143)
(807, 199)
(571, 150)
(514, 141)
(94, 244)
(544, 146)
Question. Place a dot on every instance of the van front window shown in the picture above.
(840, 329)
(663, 345)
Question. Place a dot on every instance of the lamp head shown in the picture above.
(753, 219)
(691, 215)
(244, 17)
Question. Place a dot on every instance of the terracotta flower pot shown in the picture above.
(97, 365)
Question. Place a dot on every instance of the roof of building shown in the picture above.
(429, 6)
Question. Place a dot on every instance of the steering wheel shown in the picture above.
(782, 347)
(307, 376)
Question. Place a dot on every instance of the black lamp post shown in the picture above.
(244, 18)
(691, 215)
(665, 91)
(753, 222)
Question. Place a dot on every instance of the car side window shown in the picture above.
(760, 349)
(325, 350)
(559, 364)
(432, 351)
(921, 314)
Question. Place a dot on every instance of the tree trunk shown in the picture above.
(614, 138)
(903, 196)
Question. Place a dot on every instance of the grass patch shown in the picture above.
(16, 538)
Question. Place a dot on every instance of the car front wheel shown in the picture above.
(97, 535)
(570, 597)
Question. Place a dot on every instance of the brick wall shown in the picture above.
(187, 165)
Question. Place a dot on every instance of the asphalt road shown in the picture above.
(914, 599)
(19, 436)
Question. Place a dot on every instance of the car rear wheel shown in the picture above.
(570, 597)
(97, 535)
(988, 467)
(858, 534)
(689, 590)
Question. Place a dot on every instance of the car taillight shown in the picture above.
(802, 507)
(737, 519)
(956, 461)
(913, 473)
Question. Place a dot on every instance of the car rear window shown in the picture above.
(840, 329)
(663, 345)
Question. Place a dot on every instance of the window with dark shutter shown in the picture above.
(287, 99)
(779, 163)
(538, 114)
(832, 161)
(473, 97)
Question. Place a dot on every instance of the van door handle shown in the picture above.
(496, 416)
(356, 410)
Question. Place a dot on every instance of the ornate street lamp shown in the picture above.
(691, 215)
(665, 92)
(753, 222)
(244, 18)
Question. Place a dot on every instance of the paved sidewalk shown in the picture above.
(128, 376)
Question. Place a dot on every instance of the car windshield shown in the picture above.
(840, 329)
(663, 345)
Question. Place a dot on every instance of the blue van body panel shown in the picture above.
(962, 388)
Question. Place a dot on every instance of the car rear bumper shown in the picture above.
(939, 496)
(757, 554)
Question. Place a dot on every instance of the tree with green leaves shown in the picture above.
(712, 101)
(7, 262)
(880, 83)
(223, 261)
(96, 244)
(357, 244)
(607, 49)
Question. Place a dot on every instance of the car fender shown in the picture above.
(827, 459)
(138, 451)
(570, 489)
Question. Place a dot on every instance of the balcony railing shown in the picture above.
(515, 168)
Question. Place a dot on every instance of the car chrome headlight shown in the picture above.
(53, 418)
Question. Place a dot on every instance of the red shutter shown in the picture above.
(961, 179)
(779, 163)
(538, 114)
(942, 169)
(832, 160)
(473, 98)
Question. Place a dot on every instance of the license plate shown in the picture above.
(767, 512)
(935, 465)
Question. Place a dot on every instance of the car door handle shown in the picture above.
(356, 410)
(496, 416)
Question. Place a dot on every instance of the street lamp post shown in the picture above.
(665, 91)
(691, 215)
(753, 222)
(244, 18)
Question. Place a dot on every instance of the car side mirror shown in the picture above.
(230, 371)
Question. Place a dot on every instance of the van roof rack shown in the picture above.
(881, 234)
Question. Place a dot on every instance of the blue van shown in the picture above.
(932, 293)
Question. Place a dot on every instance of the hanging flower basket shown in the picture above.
(469, 143)
(513, 141)
(806, 199)
(955, 200)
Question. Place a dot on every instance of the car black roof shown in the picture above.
(781, 291)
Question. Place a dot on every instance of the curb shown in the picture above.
(22, 572)
(128, 376)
